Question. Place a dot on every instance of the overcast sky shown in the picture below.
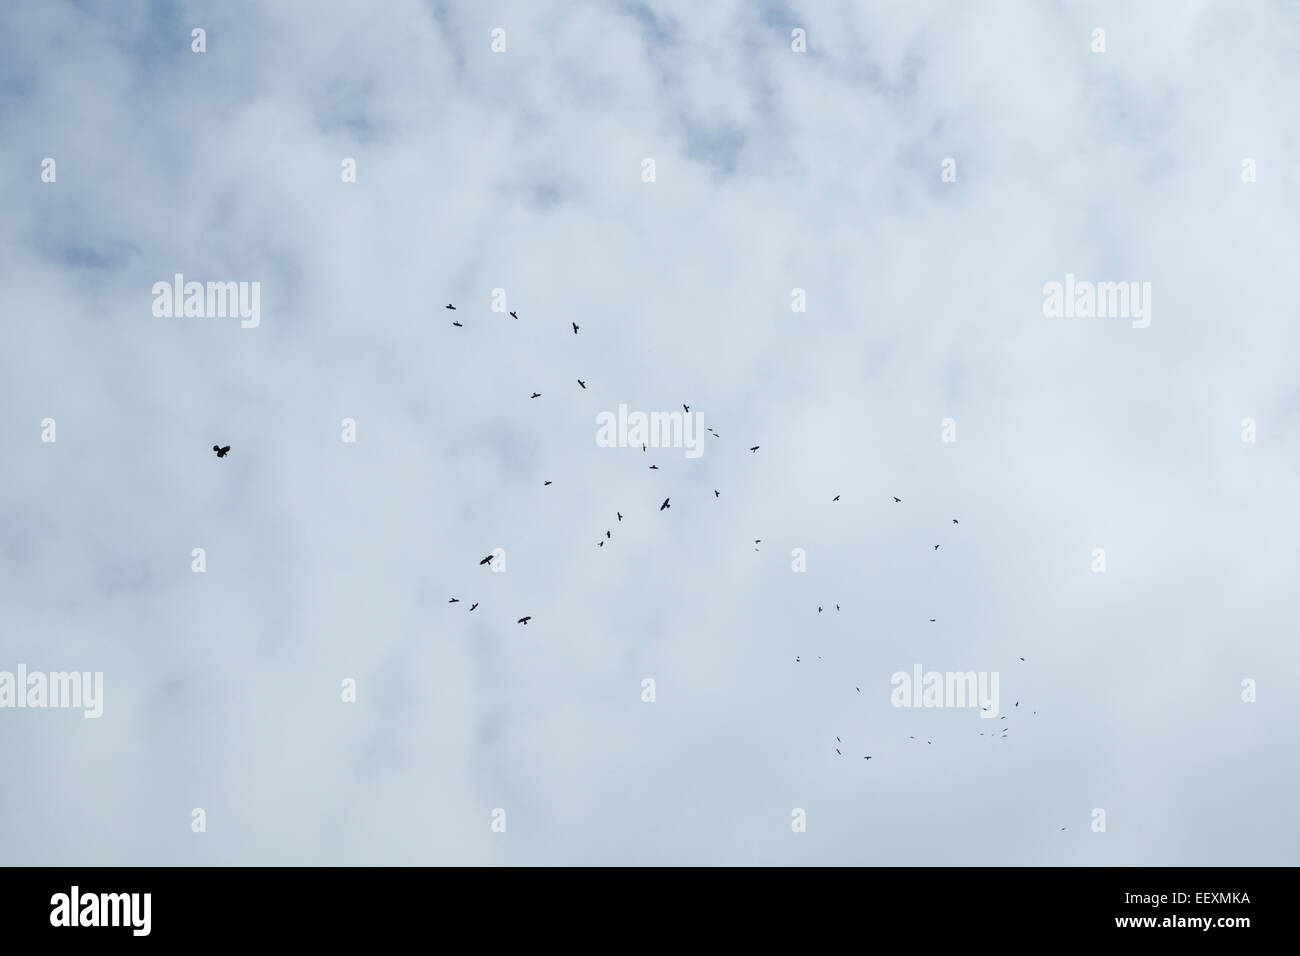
(775, 170)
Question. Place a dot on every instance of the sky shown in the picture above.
(313, 692)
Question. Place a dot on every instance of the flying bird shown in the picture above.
(716, 493)
(221, 452)
(606, 534)
(620, 515)
(600, 544)
(819, 610)
(654, 467)
(545, 483)
(582, 383)
(450, 306)
(458, 325)
(954, 521)
(535, 395)
(868, 757)
(664, 505)
(575, 327)
(755, 448)
(936, 547)
(836, 498)
(454, 601)
(514, 315)
(524, 620)
(474, 605)
(898, 499)
(687, 407)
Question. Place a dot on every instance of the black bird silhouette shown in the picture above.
(837, 750)
(954, 521)
(458, 325)
(664, 505)
(545, 483)
(485, 560)
(936, 547)
(819, 610)
(575, 327)
(898, 499)
(1022, 658)
(474, 605)
(620, 515)
(524, 620)
(931, 620)
(836, 498)
(600, 544)
(607, 534)
(755, 448)
(858, 689)
(221, 452)
(654, 467)
(687, 407)
(450, 306)
(454, 601)
(868, 757)
(837, 607)
(838, 741)
(514, 315)
(582, 383)
(535, 395)
(643, 446)
(716, 493)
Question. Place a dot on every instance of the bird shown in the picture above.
(868, 757)
(664, 505)
(1022, 658)
(485, 560)
(524, 620)
(898, 499)
(514, 315)
(1017, 703)
(582, 383)
(954, 521)
(600, 544)
(545, 483)
(819, 610)
(458, 325)
(758, 540)
(535, 395)
(450, 306)
(643, 446)
(837, 750)
(755, 448)
(838, 741)
(606, 534)
(575, 327)
(654, 467)
(936, 547)
(716, 493)
(836, 498)
(474, 605)
(454, 601)
(837, 607)
(931, 620)
(687, 407)
(221, 452)
(858, 689)
(620, 515)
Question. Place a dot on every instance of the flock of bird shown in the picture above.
(222, 451)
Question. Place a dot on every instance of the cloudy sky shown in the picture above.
(774, 170)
